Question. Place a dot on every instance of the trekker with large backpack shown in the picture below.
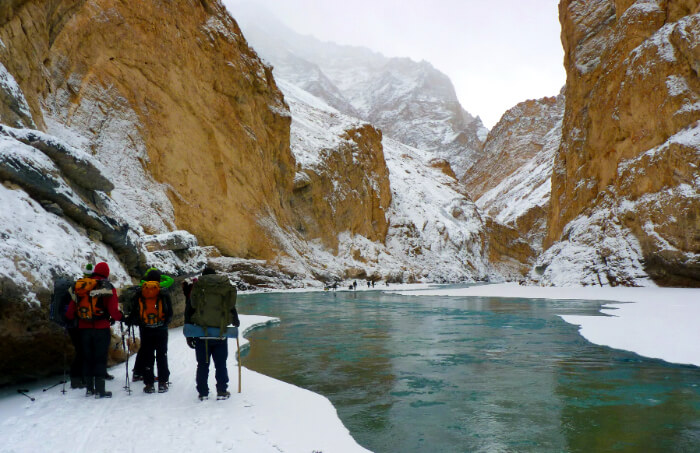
(140, 363)
(94, 302)
(60, 299)
(210, 308)
(152, 310)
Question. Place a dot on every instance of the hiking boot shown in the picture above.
(100, 387)
(104, 394)
(89, 386)
(223, 395)
(109, 377)
(77, 383)
(162, 387)
(149, 389)
(137, 377)
(203, 397)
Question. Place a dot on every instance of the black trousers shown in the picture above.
(154, 340)
(139, 365)
(95, 344)
(76, 367)
(218, 351)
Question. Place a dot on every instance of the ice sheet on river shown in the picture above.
(660, 323)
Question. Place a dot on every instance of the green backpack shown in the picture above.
(213, 298)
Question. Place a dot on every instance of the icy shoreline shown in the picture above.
(268, 416)
(659, 323)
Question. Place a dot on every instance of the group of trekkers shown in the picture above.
(89, 306)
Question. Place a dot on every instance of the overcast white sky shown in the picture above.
(497, 52)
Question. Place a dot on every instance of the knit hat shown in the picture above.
(153, 275)
(88, 269)
(101, 270)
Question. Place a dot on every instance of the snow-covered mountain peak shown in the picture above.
(411, 102)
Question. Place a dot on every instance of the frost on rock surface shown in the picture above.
(511, 180)
(105, 124)
(435, 231)
(433, 223)
(14, 109)
(596, 251)
(37, 245)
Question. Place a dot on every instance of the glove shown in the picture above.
(191, 342)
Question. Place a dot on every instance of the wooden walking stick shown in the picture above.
(238, 348)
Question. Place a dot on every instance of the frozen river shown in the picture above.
(465, 374)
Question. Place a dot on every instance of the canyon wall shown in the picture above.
(168, 91)
(625, 179)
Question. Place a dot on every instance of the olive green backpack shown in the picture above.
(213, 297)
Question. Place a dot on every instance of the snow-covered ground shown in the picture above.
(268, 416)
(659, 323)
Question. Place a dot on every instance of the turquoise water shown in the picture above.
(472, 374)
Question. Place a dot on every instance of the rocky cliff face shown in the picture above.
(510, 180)
(178, 104)
(351, 179)
(625, 180)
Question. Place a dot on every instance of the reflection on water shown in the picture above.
(437, 374)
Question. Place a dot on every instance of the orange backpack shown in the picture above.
(151, 311)
(89, 306)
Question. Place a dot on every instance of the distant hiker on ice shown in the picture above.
(210, 310)
(354, 285)
(139, 369)
(152, 310)
(94, 302)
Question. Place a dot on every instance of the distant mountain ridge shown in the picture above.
(411, 102)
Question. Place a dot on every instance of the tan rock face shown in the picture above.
(349, 191)
(510, 180)
(508, 252)
(187, 87)
(630, 127)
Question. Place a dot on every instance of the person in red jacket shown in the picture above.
(94, 302)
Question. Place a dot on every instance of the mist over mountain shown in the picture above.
(411, 102)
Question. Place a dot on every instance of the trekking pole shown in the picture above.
(127, 385)
(238, 348)
(65, 361)
(52, 386)
(24, 392)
